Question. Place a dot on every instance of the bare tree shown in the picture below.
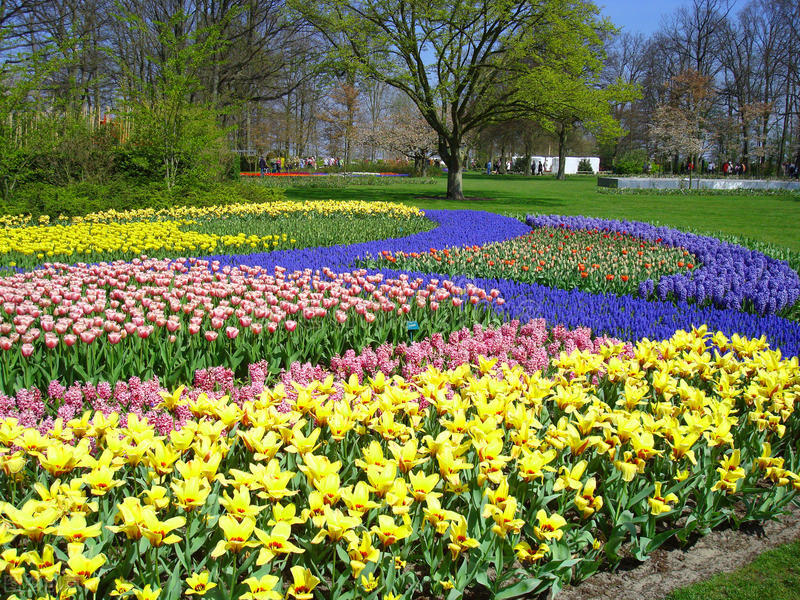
(680, 126)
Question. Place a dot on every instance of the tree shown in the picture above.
(342, 119)
(627, 60)
(21, 109)
(680, 125)
(568, 90)
(458, 62)
(407, 133)
(177, 131)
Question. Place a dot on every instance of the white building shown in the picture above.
(550, 163)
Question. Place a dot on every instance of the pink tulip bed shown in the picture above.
(171, 318)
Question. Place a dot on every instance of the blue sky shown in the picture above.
(638, 16)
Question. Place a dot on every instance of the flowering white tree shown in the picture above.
(405, 134)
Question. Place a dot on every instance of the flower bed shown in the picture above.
(480, 475)
(531, 346)
(731, 276)
(511, 458)
(190, 231)
(170, 318)
(594, 261)
(455, 228)
(626, 317)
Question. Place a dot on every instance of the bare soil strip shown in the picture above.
(718, 552)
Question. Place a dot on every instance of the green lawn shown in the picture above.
(768, 218)
(773, 575)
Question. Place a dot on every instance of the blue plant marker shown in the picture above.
(411, 327)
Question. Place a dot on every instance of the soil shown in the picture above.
(718, 552)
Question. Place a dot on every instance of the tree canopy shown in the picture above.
(460, 62)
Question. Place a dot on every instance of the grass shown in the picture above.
(767, 218)
(775, 574)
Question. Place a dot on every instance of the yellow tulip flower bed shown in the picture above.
(311, 208)
(483, 476)
(87, 240)
(199, 231)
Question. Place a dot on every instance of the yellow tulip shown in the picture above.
(276, 542)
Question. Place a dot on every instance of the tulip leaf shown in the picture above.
(526, 586)
(173, 587)
(482, 578)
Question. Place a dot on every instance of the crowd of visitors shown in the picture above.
(497, 167)
(283, 165)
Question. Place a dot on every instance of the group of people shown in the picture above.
(791, 170)
(536, 169)
(275, 166)
(731, 168)
(283, 165)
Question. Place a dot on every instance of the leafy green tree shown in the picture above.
(459, 62)
(22, 137)
(567, 90)
(172, 130)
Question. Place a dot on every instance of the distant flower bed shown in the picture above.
(306, 174)
(591, 260)
(730, 277)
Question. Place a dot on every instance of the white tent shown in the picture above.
(550, 163)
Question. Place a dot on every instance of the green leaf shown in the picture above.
(483, 579)
(526, 586)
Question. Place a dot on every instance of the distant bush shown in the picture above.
(631, 163)
(585, 166)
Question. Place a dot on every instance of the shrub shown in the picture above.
(631, 163)
(585, 166)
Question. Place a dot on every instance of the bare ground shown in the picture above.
(718, 552)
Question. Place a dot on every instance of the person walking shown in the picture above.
(262, 165)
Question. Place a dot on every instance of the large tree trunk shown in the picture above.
(450, 151)
(527, 165)
(418, 161)
(562, 150)
(454, 188)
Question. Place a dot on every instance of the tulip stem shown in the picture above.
(333, 568)
(188, 551)
(155, 568)
(234, 575)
